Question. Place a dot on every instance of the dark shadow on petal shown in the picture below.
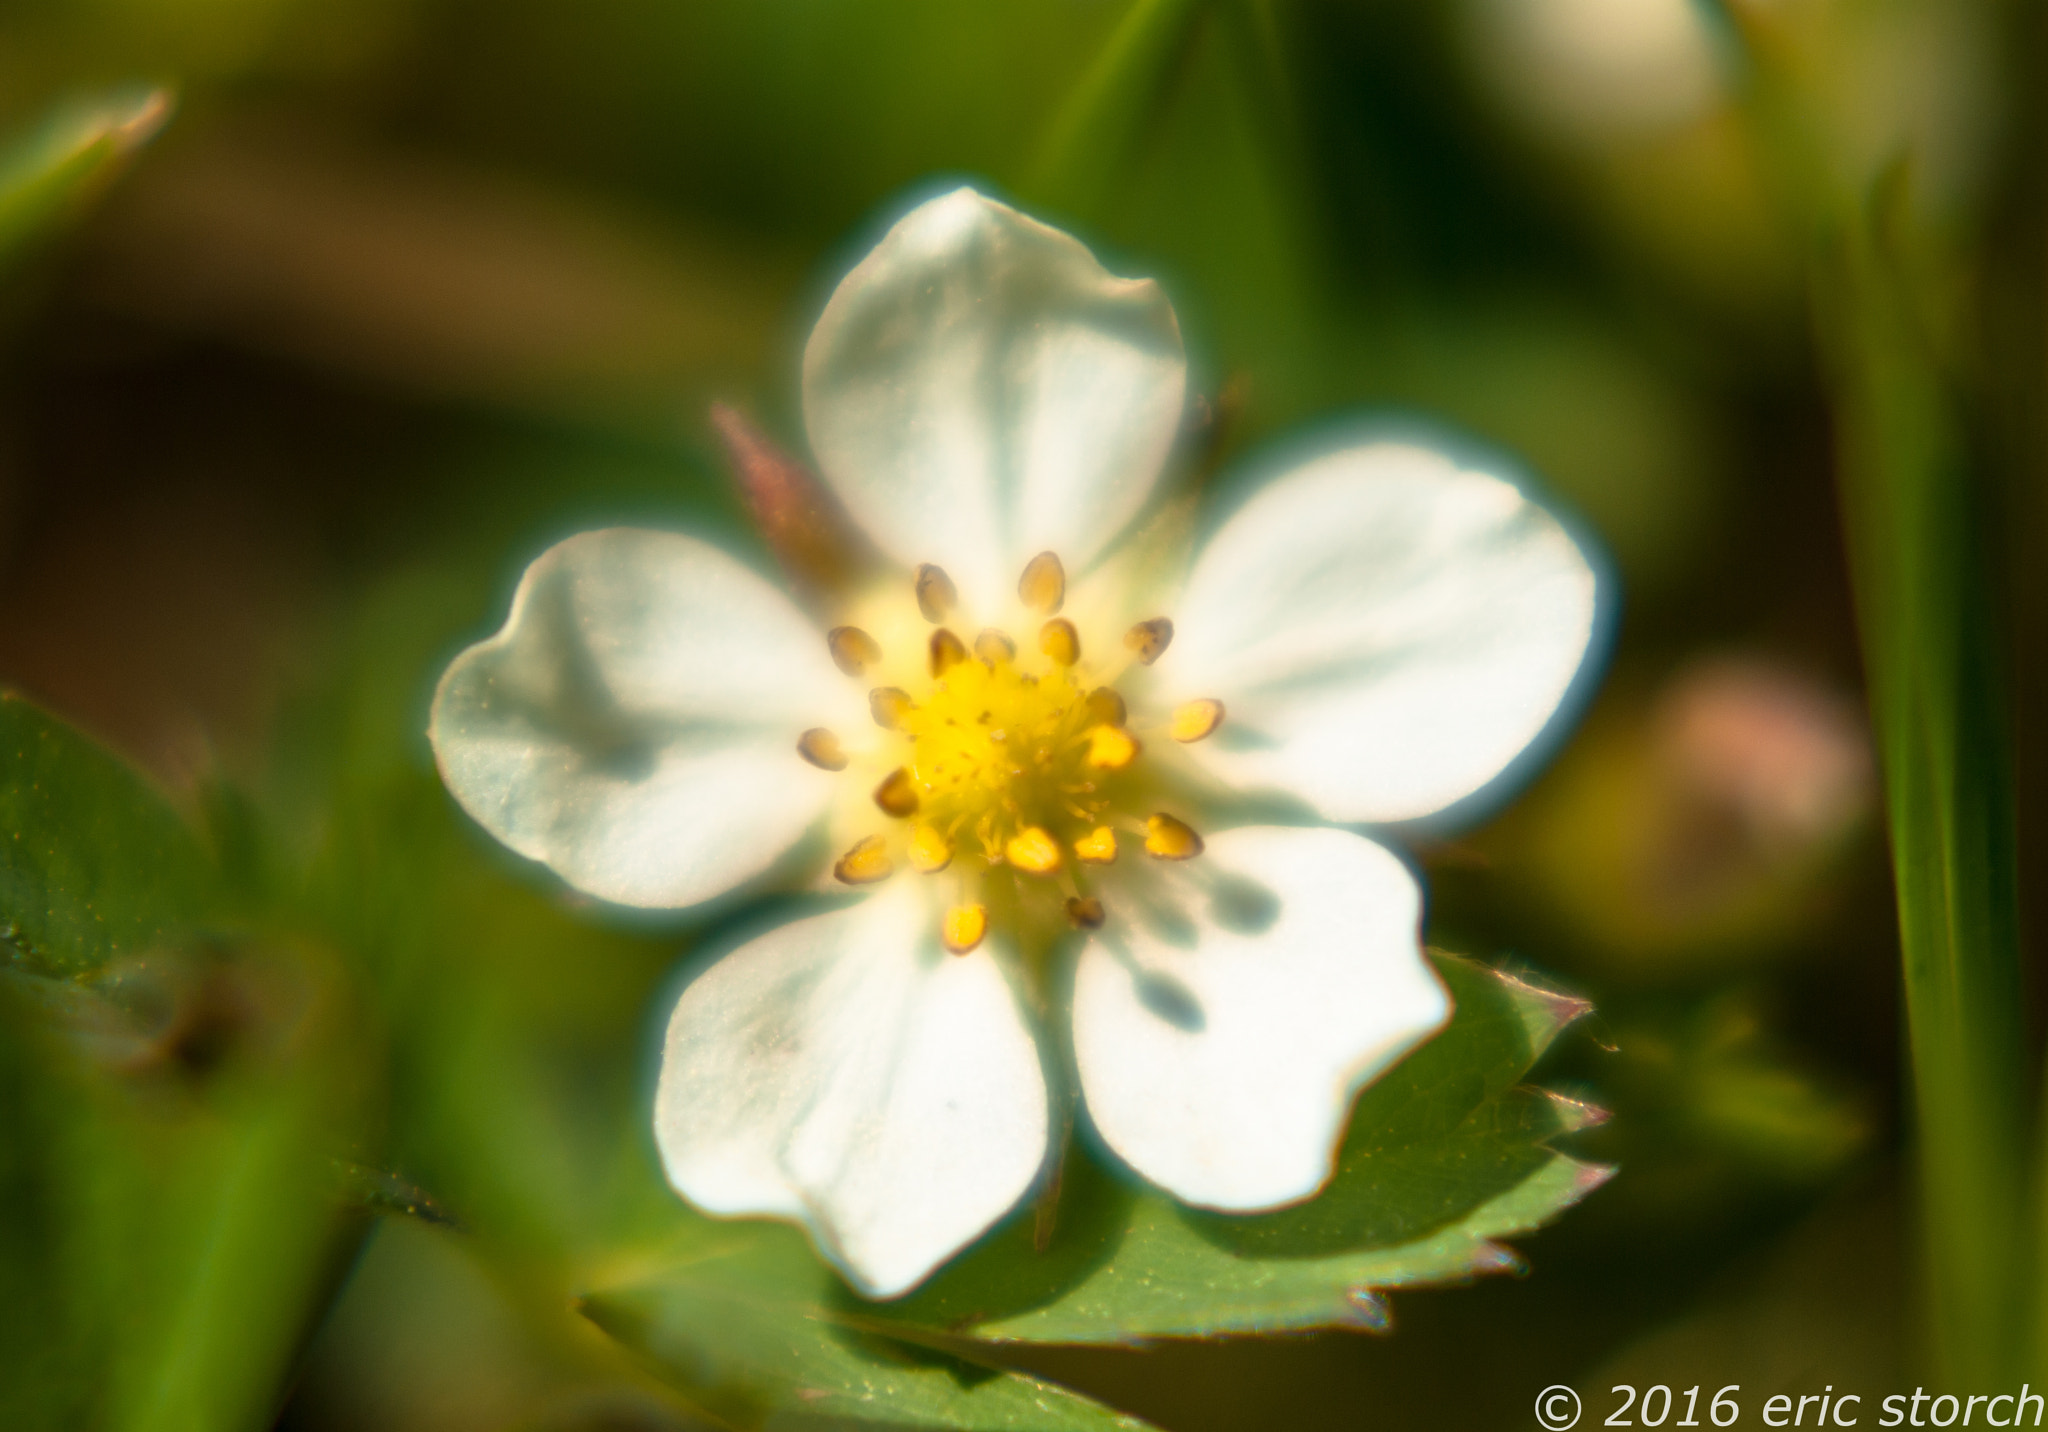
(1171, 1000)
(1242, 905)
(1235, 735)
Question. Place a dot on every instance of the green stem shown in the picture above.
(1089, 143)
(1927, 644)
(1908, 502)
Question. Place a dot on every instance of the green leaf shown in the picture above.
(171, 1099)
(747, 1329)
(94, 863)
(47, 176)
(167, 1192)
(1445, 1154)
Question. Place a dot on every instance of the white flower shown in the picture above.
(1000, 760)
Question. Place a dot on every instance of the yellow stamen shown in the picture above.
(1058, 640)
(946, 650)
(866, 863)
(853, 650)
(936, 595)
(891, 706)
(1098, 846)
(964, 927)
(994, 648)
(1149, 640)
(1043, 587)
(1111, 747)
(1086, 912)
(1192, 720)
(897, 794)
(822, 749)
(1107, 707)
(929, 850)
(1169, 839)
(1033, 851)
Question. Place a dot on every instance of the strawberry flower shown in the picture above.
(1026, 749)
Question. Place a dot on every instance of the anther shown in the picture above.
(866, 863)
(853, 650)
(929, 852)
(1033, 851)
(1097, 847)
(890, 706)
(822, 749)
(1149, 640)
(1192, 720)
(1111, 748)
(936, 595)
(964, 927)
(1043, 587)
(1058, 640)
(1086, 912)
(1107, 707)
(994, 648)
(946, 650)
(897, 794)
(1169, 839)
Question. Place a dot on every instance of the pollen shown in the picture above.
(1192, 720)
(1085, 912)
(1007, 763)
(994, 648)
(822, 749)
(964, 927)
(1148, 640)
(1034, 851)
(1167, 838)
(1097, 847)
(930, 852)
(1107, 707)
(1043, 587)
(891, 707)
(936, 594)
(946, 650)
(1111, 748)
(897, 794)
(853, 650)
(866, 863)
(1058, 640)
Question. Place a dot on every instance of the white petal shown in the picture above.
(979, 389)
(1387, 630)
(634, 724)
(1219, 1057)
(845, 1071)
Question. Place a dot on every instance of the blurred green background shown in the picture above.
(404, 290)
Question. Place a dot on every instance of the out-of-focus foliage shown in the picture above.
(179, 1094)
(407, 289)
(49, 176)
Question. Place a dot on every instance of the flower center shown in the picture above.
(1016, 767)
(996, 751)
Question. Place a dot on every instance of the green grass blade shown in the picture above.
(1928, 642)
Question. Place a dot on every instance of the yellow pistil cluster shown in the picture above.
(1015, 757)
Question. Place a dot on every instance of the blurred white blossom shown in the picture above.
(1594, 67)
